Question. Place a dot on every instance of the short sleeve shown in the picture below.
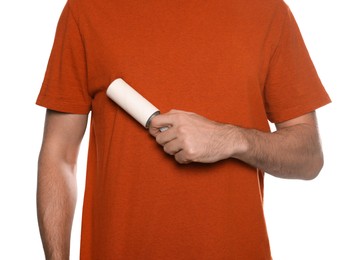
(64, 86)
(293, 87)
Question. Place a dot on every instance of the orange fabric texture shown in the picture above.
(234, 61)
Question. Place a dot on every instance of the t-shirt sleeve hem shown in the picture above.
(296, 111)
(64, 106)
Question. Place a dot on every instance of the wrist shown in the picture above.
(236, 141)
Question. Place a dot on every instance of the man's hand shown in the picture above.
(191, 138)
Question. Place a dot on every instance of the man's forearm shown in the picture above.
(56, 199)
(292, 152)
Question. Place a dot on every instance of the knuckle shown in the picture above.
(181, 160)
(191, 154)
(158, 139)
(167, 150)
(181, 130)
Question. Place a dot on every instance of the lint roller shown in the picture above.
(132, 102)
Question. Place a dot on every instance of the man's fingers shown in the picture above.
(166, 136)
(158, 124)
(172, 147)
(162, 122)
(188, 138)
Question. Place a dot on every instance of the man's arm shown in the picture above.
(56, 187)
(293, 151)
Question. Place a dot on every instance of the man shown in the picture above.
(229, 67)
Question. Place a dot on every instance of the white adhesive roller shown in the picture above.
(132, 102)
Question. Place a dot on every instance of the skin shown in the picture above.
(56, 187)
(293, 151)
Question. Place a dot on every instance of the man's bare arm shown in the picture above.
(293, 151)
(56, 187)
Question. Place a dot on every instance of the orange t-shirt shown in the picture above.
(241, 62)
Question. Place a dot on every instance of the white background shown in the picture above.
(306, 220)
